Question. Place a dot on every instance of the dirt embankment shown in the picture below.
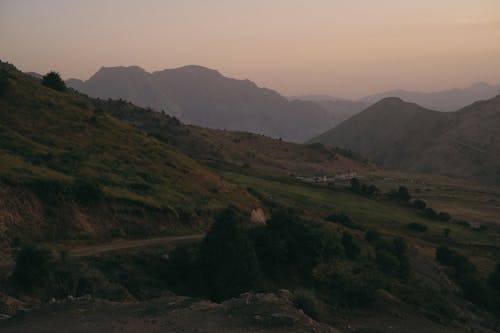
(25, 217)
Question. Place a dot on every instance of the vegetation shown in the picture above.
(475, 288)
(53, 80)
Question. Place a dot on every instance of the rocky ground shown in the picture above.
(248, 313)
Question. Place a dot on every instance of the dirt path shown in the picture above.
(86, 251)
(92, 250)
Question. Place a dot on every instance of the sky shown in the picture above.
(347, 48)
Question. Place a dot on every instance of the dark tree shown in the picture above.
(351, 246)
(53, 80)
(445, 217)
(419, 204)
(228, 261)
(32, 267)
(355, 185)
(403, 194)
(431, 213)
(494, 278)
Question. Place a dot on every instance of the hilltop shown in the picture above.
(201, 96)
(405, 136)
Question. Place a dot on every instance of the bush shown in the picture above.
(350, 286)
(419, 204)
(445, 217)
(4, 82)
(494, 278)
(444, 255)
(417, 227)
(372, 236)
(288, 247)
(387, 262)
(32, 267)
(430, 213)
(307, 301)
(344, 220)
(86, 192)
(351, 246)
(228, 261)
(53, 80)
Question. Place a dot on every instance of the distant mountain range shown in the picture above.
(201, 96)
(406, 136)
(446, 100)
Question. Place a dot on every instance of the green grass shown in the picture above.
(56, 136)
(388, 216)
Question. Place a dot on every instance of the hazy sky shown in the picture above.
(346, 48)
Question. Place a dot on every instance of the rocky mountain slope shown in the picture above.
(204, 97)
(405, 136)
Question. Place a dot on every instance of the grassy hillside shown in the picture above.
(74, 158)
(250, 151)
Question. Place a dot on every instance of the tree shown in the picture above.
(445, 217)
(228, 261)
(403, 194)
(32, 267)
(494, 278)
(355, 185)
(351, 246)
(53, 80)
(419, 204)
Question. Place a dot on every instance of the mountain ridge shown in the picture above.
(401, 135)
(202, 96)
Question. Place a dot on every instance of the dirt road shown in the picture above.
(92, 250)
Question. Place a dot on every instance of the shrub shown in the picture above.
(387, 262)
(494, 278)
(344, 220)
(403, 194)
(307, 301)
(4, 82)
(445, 217)
(372, 236)
(355, 185)
(417, 227)
(86, 191)
(228, 261)
(419, 204)
(288, 247)
(430, 213)
(32, 267)
(444, 255)
(350, 286)
(351, 246)
(53, 80)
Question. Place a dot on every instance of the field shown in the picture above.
(387, 216)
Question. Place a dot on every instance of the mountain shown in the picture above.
(341, 108)
(201, 96)
(253, 152)
(406, 136)
(447, 100)
(67, 170)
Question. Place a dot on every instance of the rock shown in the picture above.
(4, 316)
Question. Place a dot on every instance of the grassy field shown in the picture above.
(387, 216)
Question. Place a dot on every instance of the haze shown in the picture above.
(345, 48)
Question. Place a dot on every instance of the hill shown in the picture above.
(69, 171)
(201, 96)
(401, 135)
(446, 100)
(252, 152)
